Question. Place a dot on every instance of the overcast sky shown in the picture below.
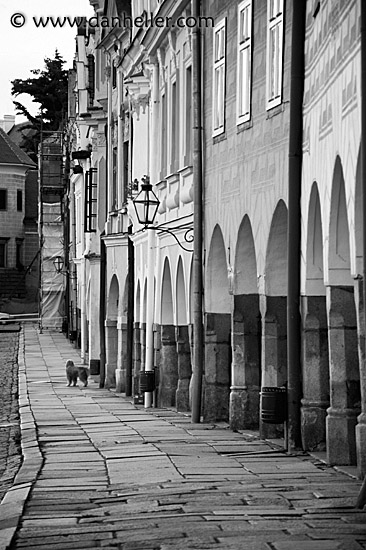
(24, 48)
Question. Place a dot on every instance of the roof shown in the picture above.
(10, 153)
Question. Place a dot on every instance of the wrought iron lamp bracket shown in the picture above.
(188, 234)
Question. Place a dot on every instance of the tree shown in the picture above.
(48, 87)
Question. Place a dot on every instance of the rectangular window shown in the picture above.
(114, 180)
(244, 74)
(218, 89)
(274, 52)
(3, 199)
(19, 200)
(90, 214)
(174, 126)
(188, 114)
(163, 137)
(3, 252)
(19, 254)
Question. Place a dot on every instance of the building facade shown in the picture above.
(133, 285)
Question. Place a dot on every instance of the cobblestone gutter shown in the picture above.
(10, 439)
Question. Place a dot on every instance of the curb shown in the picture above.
(12, 505)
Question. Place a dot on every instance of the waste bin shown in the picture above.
(273, 405)
(147, 381)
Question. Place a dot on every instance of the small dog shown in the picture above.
(73, 373)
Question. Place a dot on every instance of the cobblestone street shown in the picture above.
(100, 472)
(10, 451)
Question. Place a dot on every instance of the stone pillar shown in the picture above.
(168, 368)
(94, 308)
(157, 359)
(345, 395)
(361, 426)
(315, 373)
(111, 337)
(217, 379)
(136, 357)
(274, 352)
(121, 357)
(142, 345)
(184, 368)
(246, 368)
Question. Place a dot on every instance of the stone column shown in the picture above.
(111, 352)
(217, 379)
(246, 369)
(136, 357)
(315, 359)
(142, 345)
(168, 368)
(121, 356)
(345, 395)
(361, 426)
(94, 307)
(184, 368)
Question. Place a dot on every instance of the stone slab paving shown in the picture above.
(100, 472)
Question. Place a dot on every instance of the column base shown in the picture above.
(244, 408)
(313, 420)
(120, 380)
(361, 445)
(110, 376)
(341, 436)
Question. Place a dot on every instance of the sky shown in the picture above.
(25, 47)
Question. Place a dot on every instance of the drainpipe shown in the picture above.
(360, 428)
(197, 366)
(151, 241)
(294, 227)
(103, 264)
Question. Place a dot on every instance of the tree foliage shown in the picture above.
(48, 88)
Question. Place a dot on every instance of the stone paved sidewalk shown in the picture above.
(100, 472)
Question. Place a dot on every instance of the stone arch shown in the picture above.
(315, 362)
(342, 332)
(246, 334)
(339, 261)
(274, 325)
(245, 260)
(314, 247)
(276, 254)
(168, 372)
(358, 218)
(113, 299)
(217, 333)
(183, 344)
(181, 305)
(112, 332)
(167, 314)
(216, 287)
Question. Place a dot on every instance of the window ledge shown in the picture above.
(219, 137)
(276, 110)
(242, 126)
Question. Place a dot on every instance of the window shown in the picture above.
(91, 79)
(3, 199)
(163, 142)
(174, 126)
(274, 52)
(218, 104)
(19, 254)
(3, 252)
(188, 114)
(244, 61)
(90, 214)
(114, 180)
(19, 200)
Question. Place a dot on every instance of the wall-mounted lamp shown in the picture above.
(59, 263)
(146, 205)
